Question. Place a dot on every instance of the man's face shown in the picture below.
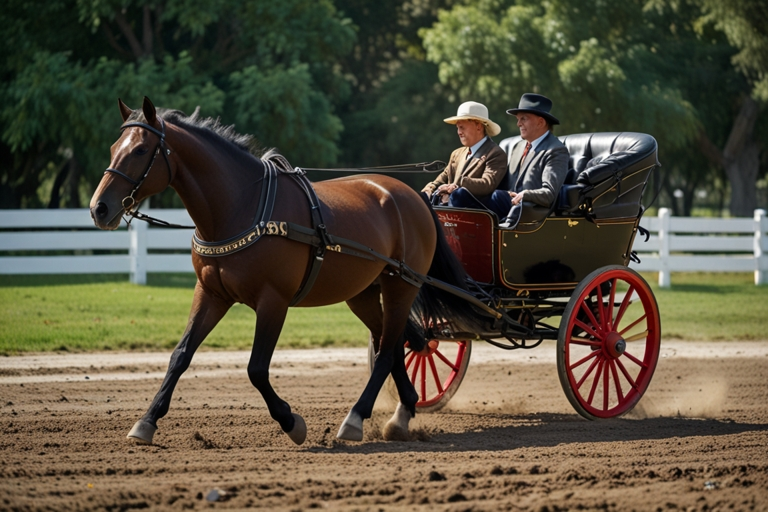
(470, 132)
(531, 126)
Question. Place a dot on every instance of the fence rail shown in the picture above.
(676, 244)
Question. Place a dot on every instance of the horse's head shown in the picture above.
(135, 172)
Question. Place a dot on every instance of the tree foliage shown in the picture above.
(359, 83)
(270, 67)
(657, 67)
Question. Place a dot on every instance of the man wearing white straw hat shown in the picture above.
(475, 169)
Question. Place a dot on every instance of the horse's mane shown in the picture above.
(208, 127)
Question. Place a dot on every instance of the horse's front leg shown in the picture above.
(270, 317)
(206, 312)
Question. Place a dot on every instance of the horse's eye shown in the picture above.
(140, 151)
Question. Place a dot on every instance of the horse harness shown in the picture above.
(160, 148)
(317, 236)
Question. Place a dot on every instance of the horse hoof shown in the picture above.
(396, 428)
(142, 432)
(299, 432)
(351, 428)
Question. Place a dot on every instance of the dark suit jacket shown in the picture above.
(543, 172)
(480, 175)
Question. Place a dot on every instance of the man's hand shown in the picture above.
(445, 191)
(517, 197)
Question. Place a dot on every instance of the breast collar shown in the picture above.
(251, 235)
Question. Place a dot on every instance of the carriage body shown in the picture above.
(593, 223)
(562, 274)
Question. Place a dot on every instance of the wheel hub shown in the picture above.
(429, 349)
(614, 344)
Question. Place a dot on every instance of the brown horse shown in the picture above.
(226, 191)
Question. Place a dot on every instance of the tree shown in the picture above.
(267, 66)
(395, 110)
(745, 24)
(608, 66)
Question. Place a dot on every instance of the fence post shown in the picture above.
(761, 258)
(665, 280)
(138, 252)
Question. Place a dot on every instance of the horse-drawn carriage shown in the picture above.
(268, 238)
(566, 265)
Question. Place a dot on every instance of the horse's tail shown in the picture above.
(434, 308)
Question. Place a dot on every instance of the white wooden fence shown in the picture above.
(73, 231)
(702, 244)
(677, 244)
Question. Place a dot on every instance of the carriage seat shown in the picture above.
(607, 173)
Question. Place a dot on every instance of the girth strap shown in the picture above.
(324, 239)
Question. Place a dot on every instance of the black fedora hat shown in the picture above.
(535, 104)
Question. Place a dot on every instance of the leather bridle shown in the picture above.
(129, 201)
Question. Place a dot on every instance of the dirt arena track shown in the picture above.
(508, 440)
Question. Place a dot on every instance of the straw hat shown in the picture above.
(476, 112)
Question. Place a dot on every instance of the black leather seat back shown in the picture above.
(607, 173)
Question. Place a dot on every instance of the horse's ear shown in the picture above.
(125, 111)
(149, 111)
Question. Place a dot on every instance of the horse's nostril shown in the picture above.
(101, 210)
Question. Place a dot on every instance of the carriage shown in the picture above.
(268, 238)
(561, 274)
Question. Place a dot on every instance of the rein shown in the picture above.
(433, 166)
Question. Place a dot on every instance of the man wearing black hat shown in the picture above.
(537, 164)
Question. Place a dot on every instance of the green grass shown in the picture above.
(83, 313)
(105, 312)
(712, 306)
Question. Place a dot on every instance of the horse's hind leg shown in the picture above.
(397, 427)
(367, 307)
(206, 312)
(270, 316)
(397, 297)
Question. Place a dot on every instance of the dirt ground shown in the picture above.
(509, 439)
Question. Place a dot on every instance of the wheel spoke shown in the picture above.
(586, 373)
(633, 324)
(590, 316)
(612, 297)
(587, 328)
(635, 360)
(601, 308)
(415, 371)
(638, 336)
(423, 378)
(409, 357)
(446, 361)
(624, 305)
(435, 375)
(596, 381)
(584, 360)
(619, 392)
(606, 385)
(626, 374)
(583, 341)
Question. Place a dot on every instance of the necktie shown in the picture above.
(527, 147)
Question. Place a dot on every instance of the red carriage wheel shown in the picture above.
(608, 342)
(436, 371)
